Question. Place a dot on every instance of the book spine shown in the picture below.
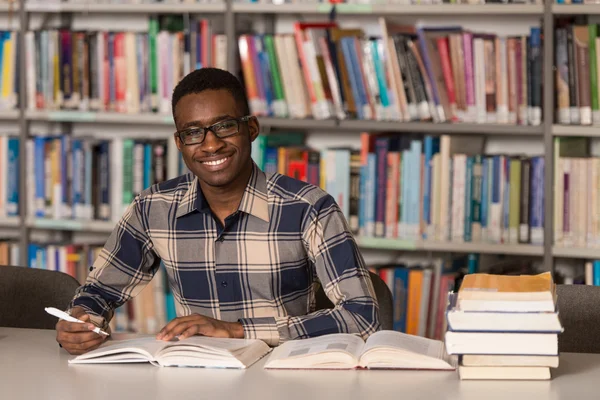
(524, 227)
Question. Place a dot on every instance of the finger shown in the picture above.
(76, 338)
(178, 329)
(179, 320)
(66, 326)
(189, 332)
(82, 348)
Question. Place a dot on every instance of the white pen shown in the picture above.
(63, 315)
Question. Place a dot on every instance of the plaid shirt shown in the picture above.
(262, 268)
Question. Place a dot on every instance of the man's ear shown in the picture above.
(177, 141)
(253, 128)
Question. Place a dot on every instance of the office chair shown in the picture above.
(24, 292)
(382, 293)
(579, 313)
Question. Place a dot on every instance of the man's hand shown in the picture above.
(78, 338)
(197, 324)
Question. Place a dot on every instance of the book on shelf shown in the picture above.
(9, 253)
(382, 350)
(90, 179)
(407, 73)
(576, 186)
(421, 187)
(9, 176)
(125, 72)
(195, 351)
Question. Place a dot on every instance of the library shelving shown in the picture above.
(231, 10)
(576, 252)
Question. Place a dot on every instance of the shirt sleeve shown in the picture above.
(125, 265)
(341, 269)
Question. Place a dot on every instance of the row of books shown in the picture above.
(90, 179)
(577, 61)
(126, 72)
(504, 327)
(423, 188)
(576, 188)
(140, 2)
(9, 253)
(408, 73)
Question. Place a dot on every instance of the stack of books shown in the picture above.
(504, 327)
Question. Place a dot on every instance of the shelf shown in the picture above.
(570, 9)
(392, 9)
(307, 124)
(8, 115)
(71, 225)
(5, 8)
(395, 244)
(576, 130)
(576, 252)
(100, 117)
(428, 127)
(9, 222)
(93, 7)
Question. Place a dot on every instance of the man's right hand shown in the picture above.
(78, 338)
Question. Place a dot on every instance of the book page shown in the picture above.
(148, 347)
(403, 341)
(323, 344)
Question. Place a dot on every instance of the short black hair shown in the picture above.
(211, 79)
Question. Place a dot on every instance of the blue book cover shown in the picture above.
(400, 296)
(484, 192)
(381, 151)
(348, 50)
(77, 178)
(265, 70)
(147, 165)
(371, 198)
(12, 188)
(380, 73)
(468, 200)
(596, 272)
(536, 206)
(32, 255)
(432, 147)
(40, 176)
(112, 90)
(271, 160)
(506, 199)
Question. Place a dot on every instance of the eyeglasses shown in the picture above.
(196, 135)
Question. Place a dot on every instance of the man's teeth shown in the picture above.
(217, 162)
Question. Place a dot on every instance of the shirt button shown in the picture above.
(224, 283)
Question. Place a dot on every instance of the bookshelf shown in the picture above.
(230, 10)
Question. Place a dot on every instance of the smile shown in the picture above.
(217, 162)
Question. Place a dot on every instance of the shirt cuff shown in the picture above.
(264, 329)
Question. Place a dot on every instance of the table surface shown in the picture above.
(32, 366)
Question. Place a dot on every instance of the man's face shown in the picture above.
(216, 162)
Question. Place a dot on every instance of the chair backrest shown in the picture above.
(382, 293)
(579, 313)
(24, 292)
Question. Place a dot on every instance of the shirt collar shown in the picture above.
(254, 200)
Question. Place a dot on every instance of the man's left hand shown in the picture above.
(197, 324)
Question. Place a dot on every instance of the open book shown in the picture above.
(384, 349)
(196, 351)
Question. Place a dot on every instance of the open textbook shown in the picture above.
(196, 351)
(384, 349)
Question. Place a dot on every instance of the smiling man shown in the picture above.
(244, 252)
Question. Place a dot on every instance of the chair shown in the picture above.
(579, 313)
(24, 292)
(382, 293)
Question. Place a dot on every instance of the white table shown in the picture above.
(32, 366)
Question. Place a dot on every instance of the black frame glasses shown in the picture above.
(196, 135)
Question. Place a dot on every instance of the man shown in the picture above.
(244, 252)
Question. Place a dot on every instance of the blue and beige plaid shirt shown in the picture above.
(262, 268)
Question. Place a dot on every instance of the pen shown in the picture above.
(63, 315)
